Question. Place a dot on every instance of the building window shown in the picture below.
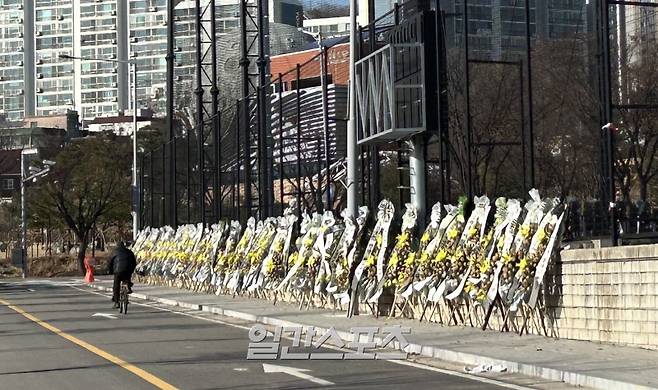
(7, 184)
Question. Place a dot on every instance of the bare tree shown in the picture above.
(638, 128)
(91, 180)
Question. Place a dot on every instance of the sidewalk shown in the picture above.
(577, 363)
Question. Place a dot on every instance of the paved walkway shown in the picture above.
(574, 362)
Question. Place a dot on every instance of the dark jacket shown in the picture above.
(123, 261)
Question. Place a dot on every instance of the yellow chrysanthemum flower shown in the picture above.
(410, 259)
(393, 261)
(523, 264)
(423, 258)
(525, 231)
(402, 238)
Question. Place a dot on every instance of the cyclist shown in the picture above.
(122, 265)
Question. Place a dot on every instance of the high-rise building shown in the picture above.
(100, 35)
(12, 87)
(641, 22)
(497, 28)
(635, 29)
(35, 80)
(48, 79)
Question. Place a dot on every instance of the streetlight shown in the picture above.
(28, 174)
(134, 191)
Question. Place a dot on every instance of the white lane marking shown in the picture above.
(105, 315)
(31, 290)
(168, 310)
(401, 362)
(297, 372)
(240, 369)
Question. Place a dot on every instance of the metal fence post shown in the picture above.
(531, 135)
(151, 190)
(524, 167)
(189, 175)
(467, 119)
(163, 222)
(299, 141)
(216, 121)
(170, 58)
(238, 122)
(281, 148)
(174, 196)
(141, 193)
(325, 120)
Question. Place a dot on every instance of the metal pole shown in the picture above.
(265, 198)
(244, 64)
(163, 221)
(298, 142)
(237, 159)
(135, 204)
(443, 111)
(531, 134)
(235, 172)
(189, 176)
(170, 58)
(173, 153)
(469, 135)
(352, 159)
(151, 190)
(199, 121)
(524, 162)
(373, 167)
(607, 93)
(281, 149)
(325, 121)
(216, 120)
(23, 218)
(260, 171)
(141, 193)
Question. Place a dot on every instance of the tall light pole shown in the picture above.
(28, 174)
(134, 192)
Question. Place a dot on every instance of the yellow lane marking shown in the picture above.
(150, 378)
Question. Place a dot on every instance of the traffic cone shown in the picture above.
(89, 275)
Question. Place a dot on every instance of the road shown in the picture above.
(57, 336)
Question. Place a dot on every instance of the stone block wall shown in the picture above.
(607, 295)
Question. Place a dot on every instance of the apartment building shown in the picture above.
(12, 86)
(497, 28)
(35, 80)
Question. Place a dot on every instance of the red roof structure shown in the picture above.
(338, 61)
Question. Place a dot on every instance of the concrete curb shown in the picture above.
(568, 377)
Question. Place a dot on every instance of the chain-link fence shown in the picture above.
(520, 107)
(307, 107)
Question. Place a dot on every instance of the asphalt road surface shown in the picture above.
(55, 336)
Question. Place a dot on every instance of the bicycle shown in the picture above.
(123, 298)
